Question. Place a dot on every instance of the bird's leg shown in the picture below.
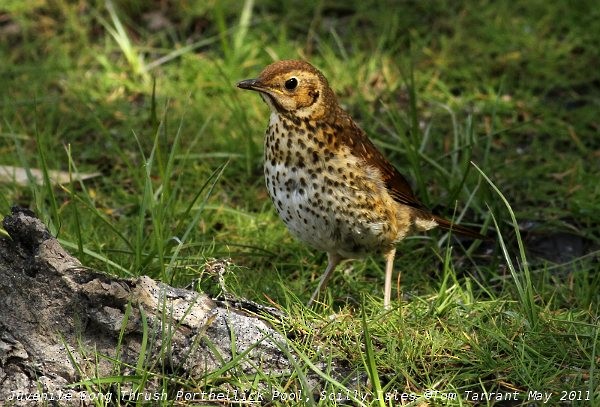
(389, 268)
(332, 261)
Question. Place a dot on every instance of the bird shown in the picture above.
(330, 185)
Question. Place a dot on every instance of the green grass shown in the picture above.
(146, 95)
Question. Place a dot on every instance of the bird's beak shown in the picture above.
(250, 84)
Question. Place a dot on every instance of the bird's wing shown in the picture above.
(398, 187)
(356, 139)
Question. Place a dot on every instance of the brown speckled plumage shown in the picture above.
(330, 185)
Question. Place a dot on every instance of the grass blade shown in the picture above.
(524, 287)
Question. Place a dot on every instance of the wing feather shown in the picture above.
(350, 134)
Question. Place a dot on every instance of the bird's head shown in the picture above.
(294, 88)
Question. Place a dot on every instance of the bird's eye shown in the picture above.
(291, 83)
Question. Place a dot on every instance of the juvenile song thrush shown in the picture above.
(330, 185)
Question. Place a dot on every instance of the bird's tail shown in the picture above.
(461, 230)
